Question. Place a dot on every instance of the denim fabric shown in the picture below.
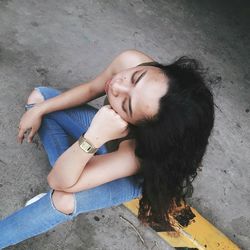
(57, 132)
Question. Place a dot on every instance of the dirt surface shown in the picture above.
(64, 43)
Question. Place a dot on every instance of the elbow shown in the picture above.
(52, 183)
(56, 185)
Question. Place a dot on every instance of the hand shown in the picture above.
(106, 125)
(31, 119)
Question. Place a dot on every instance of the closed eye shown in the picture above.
(133, 76)
(133, 82)
(129, 98)
(123, 107)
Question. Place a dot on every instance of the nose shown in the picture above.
(119, 87)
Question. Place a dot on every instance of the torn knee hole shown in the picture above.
(63, 202)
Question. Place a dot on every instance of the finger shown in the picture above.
(124, 122)
(126, 129)
(108, 106)
(17, 139)
(31, 134)
(116, 114)
(20, 135)
(125, 133)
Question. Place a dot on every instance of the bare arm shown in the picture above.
(69, 166)
(78, 95)
(93, 89)
(105, 168)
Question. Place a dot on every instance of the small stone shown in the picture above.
(35, 24)
(96, 218)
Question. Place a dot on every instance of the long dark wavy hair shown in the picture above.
(170, 146)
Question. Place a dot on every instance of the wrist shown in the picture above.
(40, 108)
(96, 141)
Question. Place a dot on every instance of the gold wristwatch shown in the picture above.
(86, 146)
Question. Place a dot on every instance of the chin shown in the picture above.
(118, 111)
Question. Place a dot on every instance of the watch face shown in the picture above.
(85, 146)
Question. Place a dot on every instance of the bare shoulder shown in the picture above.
(124, 60)
(130, 58)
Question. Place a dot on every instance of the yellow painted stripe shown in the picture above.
(200, 233)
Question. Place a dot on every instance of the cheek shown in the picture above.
(116, 106)
(125, 117)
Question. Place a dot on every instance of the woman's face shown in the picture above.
(135, 92)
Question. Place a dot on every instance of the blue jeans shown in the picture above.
(57, 132)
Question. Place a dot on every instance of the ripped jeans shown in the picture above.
(57, 132)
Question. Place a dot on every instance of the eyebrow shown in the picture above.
(129, 100)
